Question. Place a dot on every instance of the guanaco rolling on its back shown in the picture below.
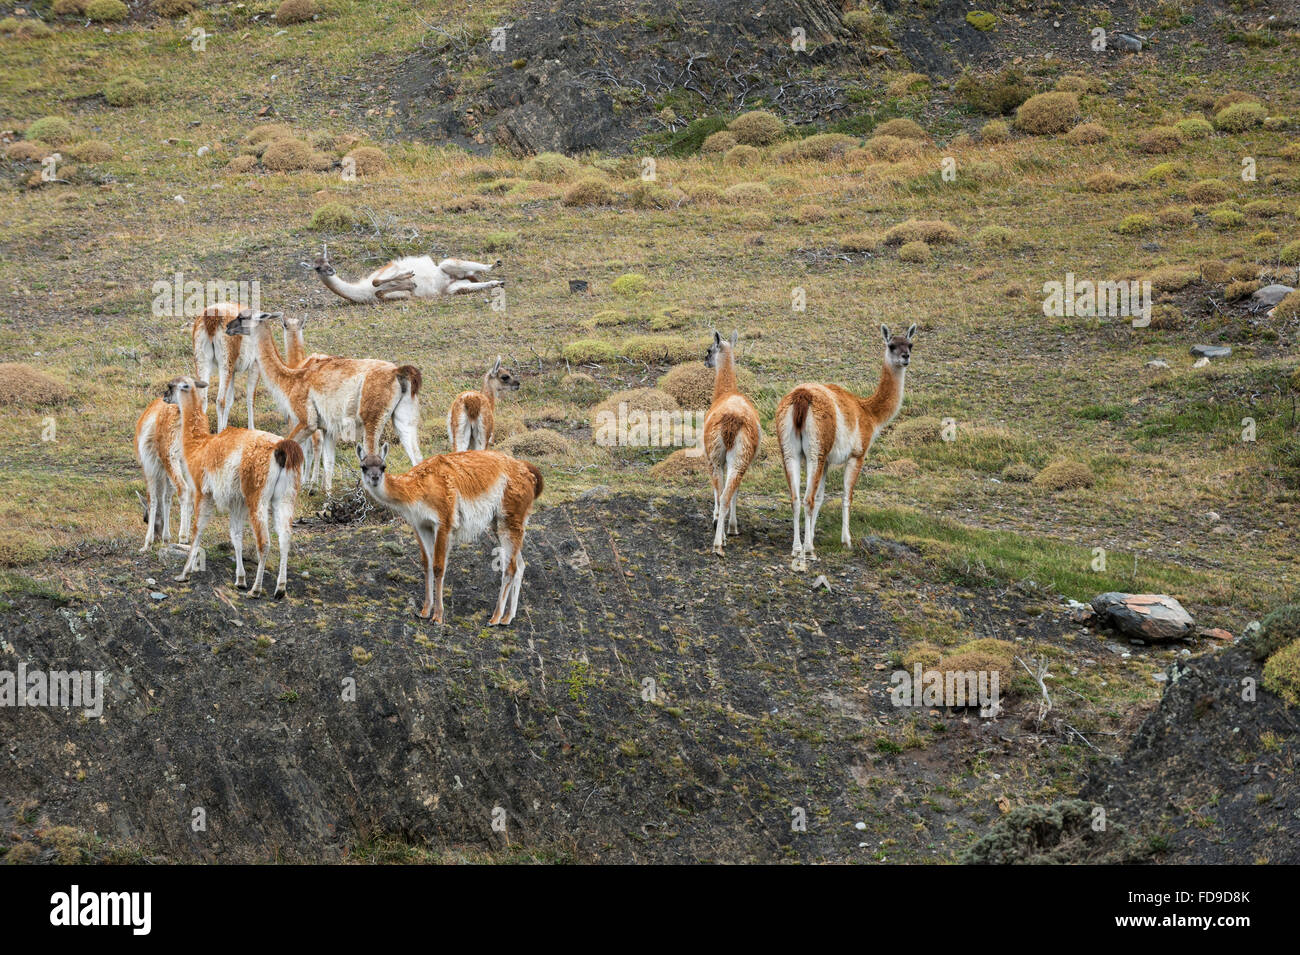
(161, 452)
(731, 436)
(472, 418)
(241, 472)
(415, 276)
(824, 426)
(336, 394)
(455, 498)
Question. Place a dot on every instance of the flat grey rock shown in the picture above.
(1271, 294)
(1211, 351)
(1155, 618)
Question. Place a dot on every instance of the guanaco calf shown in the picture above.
(214, 351)
(455, 498)
(160, 450)
(336, 395)
(731, 436)
(472, 418)
(241, 472)
(823, 426)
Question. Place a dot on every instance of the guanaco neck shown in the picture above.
(885, 401)
(352, 291)
(724, 380)
(490, 388)
(280, 378)
(295, 349)
(194, 423)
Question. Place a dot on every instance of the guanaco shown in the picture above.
(415, 276)
(242, 472)
(160, 450)
(295, 356)
(731, 436)
(216, 351)
(820, 426)
(472, 418)
(455, 498)
(336, 395)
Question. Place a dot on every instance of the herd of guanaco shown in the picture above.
(255, 476)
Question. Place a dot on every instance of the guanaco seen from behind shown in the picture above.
(731, 436)
(161, 452)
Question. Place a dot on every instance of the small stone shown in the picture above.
(158, 595)
(1157, 363)
(859, 825)
(1210, 517)
(1159, 677)
(203, 151)
(1200, 362)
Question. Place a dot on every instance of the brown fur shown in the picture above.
(208, 334)
(730, 429)
(166, 435)
(477, 411)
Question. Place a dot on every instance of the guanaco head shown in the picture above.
(716, 347)
(372, 466)
(180, 386)
(293, 323)
(498, 379)
(322, 263)
(898, 348)
(247, 320)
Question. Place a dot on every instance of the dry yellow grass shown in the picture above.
(21, 384)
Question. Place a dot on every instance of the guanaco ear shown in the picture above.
(735, 337)
(383, 452)
(717, 339)
(361, 452)
(245, 313)
(884, 331)
(911, 332)
(270, 316)
(200, 384)
(496, 367)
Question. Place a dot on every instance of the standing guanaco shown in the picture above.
(731, 436)
(216, 351)
(336, 394)
(160, 450)
(242, 472)
(472, 418)
(455, 498)
(821, 426)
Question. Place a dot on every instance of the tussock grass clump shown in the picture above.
(267, 133)
(174, 8)
(54, 130)
(820, 148)
(859, 242)
(1232, 98)
(719, 142)
(1208, 190)
(651, 195)
(902, 128)
(1065, 475)
(1160, 139)
(757, 128)
(369, 160)
(660, 349)
(1135, 224)
(25, 28)
(1264, 237)
(742, 156)
(746, 193)
(1171, 278)
(68, 8)
(538, 443)
(995, 237)
(1291, 152)
(1279, 628)
(1263, 209)
(29, 387)
(893, 148)
(1088, 134)
(287, 155)
(917, 252)
(917, 431)
(331, 217)
(1077, 83)
(550, 167)
(930, 231)
(1227, 218)
(1174, 217)
(1214, 271)
(581, 388)
(91, 150)
(810, 213)
(126, 91)
(630, 283)
(1236, 291)
(994, 95)
(106, 11)
(691, 384)
(1165, 172)
(704, 194)
(1047, 113)
(636, 399)
(1288, 308)
(1282, 673)
(1290, 254)
(589, 192)
(682, 463)
(1018, 472)
(1194, 127)
(1239, 117)
(1107, 181)
(27, 150)
(909, 84)
(296, 11)
(241, 164)
(995, 131)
